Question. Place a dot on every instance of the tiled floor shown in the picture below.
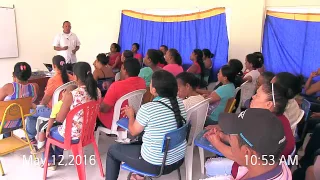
(16, 167)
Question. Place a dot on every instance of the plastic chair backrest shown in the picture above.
(230, 105)
(14, 110)
(305, 106)
(57, 92)
(175, 138)
(294, 125)
(10, 110)
(89, 112)
(117, 77)
(196, 116)
(134, 100)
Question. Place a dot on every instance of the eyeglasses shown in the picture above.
(273, 99)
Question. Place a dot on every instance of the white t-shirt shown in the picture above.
(71, 40)
(192, 100)
(248, 89)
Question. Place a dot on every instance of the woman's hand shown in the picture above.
(128, 111)
(206, 96)
(313, 74)
(214, 138)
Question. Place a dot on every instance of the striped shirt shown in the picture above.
(158, 120)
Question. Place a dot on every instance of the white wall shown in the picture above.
(97, 24)
(37, 23)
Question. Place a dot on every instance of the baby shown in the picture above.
(47, 124)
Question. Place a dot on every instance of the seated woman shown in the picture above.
(269, 96)
(197, 67)
(44, 109)
(220, 96)
(19, 88)
(103, 73)
(174, 60)
(294, 83)
(150, 60)
(187, 86)
(135, 49)
(253, 62)
(207, 59)
(115, 57)
(164, 114)
(87, 91)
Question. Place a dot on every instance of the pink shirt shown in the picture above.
(198, 68)
(138, 56)
(175, 69)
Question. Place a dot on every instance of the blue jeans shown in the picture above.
(57, 152)
(42, 111)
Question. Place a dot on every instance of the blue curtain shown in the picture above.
(291, 45)
(184, 36)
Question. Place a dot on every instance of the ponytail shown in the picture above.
(199, 54)
(64, 74)
(177, 113)
(91, 86)
(176, 56)
(60, 63)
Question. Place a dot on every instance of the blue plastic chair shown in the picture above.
(202, 142)
(170, 141)
(305, 106)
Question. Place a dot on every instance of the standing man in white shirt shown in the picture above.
(67, 44)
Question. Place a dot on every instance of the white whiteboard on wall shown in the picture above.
(8, 34)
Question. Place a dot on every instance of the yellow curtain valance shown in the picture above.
(296, 16)
(175, 18)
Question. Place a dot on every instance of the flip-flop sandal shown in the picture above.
(51, 166)
(35, 150)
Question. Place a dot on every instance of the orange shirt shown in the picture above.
(115, 92)
(53, 83)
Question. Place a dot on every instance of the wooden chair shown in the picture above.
(9, 112)
(230, 105)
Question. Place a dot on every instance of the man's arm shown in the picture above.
(75, 49)
(58, 48)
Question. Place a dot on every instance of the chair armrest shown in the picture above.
(30, 114)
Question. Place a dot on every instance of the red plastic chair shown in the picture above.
(90, 112)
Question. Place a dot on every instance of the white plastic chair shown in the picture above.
(117, 77)
(134, 100)
(197, 116)
(55, 99)
(294, 125)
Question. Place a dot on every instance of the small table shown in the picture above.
(202, 142)
(42, 83)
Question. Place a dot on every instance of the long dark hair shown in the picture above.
(166, 86)
(154, 55)
(22, 71)
(228, 72)
(60, 63)
(189, 78)
(290, 81)
(199, 55)
(281, 96)
(162, 60)
(117, 46)
(237, 66)
(256, 59)
(83, 72)
(176, 56)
